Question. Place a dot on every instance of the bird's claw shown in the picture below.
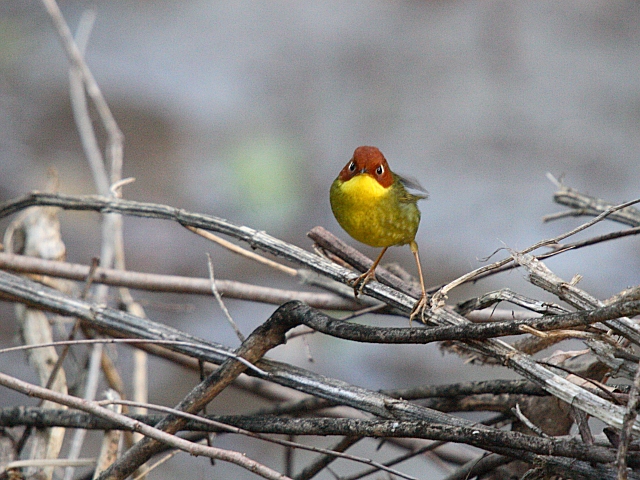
(359, 282)
(419, 309)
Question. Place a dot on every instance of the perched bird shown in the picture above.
(373, 206)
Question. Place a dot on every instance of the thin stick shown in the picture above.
(95, 263)
(562, 248)
(243, 252)
(324, 461)
(96, 162)
(363, 311)
(81, 111)
(90, 391)
(532, 426)
(116, 188)
(93, 90)
(150, 468)
(220, 302)
(49, 462)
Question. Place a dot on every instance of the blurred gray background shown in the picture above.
(248, 110)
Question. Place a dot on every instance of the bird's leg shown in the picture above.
(421, 304)
(359, 282)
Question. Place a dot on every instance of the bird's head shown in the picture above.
(368, 161)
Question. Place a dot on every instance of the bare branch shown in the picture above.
(264, 338)
(550, 381)
(477, 337)
(541, 276)
(224, 427)
(106, 413)
(582, 204)
(93, 90)
(480, 436)
(172, 283)
(439, 296)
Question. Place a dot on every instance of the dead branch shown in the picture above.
(391, 407)
(103, 412)
(569, 446)
(172, 283)
(491, 347)
(582, 205)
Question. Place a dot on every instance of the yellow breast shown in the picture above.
(372, 214)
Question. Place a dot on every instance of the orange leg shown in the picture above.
(419, 307)
(359, 282)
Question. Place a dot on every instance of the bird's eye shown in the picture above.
(380, 170)
(352, 167)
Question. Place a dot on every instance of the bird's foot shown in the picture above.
(358, 283)
(419, 308)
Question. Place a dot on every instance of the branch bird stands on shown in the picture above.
(373, 205)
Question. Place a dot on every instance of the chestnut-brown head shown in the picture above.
(368, 161)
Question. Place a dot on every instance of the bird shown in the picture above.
(372, 204)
